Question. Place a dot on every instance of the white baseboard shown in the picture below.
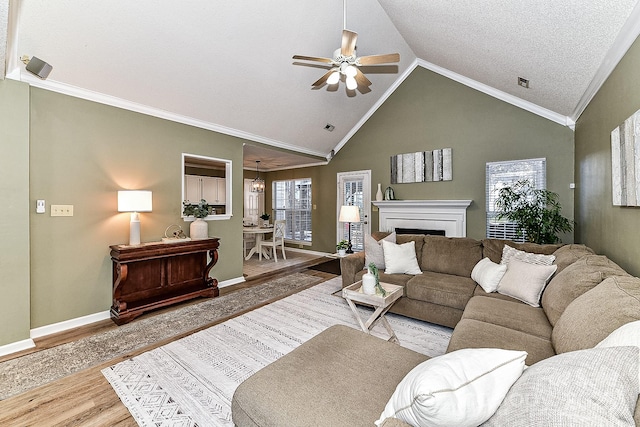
(230, 282)
(68, 324)
(17, 346)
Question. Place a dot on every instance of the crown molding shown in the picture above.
(113, 101)
(498, 94)
(627, 35)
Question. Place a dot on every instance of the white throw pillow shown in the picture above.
(525, 282)
(461, 388)
(373, 250)
(488, 274)
(509, 253)
(400, 259)
(626, 335)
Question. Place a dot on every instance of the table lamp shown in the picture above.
(349, 214)
(134, 201)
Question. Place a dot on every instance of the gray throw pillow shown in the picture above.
(595, 387)
(373, 252)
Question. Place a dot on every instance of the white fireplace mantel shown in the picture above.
(447, 215)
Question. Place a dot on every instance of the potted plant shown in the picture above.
(371, 281)
(341, 247)
(199, 229)
(536, 212)
(265, 219)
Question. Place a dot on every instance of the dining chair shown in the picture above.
(248, 240)
(277, 239)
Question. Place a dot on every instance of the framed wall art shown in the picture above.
(423, 166)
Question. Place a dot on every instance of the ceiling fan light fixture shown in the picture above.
(333, 78)
(351, 83)
(350, 71)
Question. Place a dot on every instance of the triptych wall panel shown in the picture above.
(422, 166)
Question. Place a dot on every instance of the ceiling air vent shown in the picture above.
(523, 82)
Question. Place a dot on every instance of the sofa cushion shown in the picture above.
(525, 282)
(450, 255)
(311, 385)
(510, 314)
(400, 259)
(488, 274)
(471, 333)
(568, 254)
(442, 289)
(573, 281)
(493, 248)
(463, 388)
(592, 316)
(373, 252)
(626, 335)
(595, 387)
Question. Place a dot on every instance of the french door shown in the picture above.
(354, 188)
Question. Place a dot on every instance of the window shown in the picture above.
(505, 174)
(292, 202)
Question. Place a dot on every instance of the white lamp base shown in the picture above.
(134, 229)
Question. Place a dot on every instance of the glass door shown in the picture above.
(354, 188)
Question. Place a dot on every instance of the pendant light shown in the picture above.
(257, 185)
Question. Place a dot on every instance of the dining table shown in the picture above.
(259, 232)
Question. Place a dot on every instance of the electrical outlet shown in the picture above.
(61, 210)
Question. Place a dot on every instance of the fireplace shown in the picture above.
(447, 215)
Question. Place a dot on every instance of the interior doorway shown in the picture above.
(354, 188)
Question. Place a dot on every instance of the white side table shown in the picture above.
(353, 294)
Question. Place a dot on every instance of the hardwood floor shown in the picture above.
(86, 398)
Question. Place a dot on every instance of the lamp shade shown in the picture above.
(134, 201)
(349, 214)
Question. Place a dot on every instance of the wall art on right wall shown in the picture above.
(625, 162)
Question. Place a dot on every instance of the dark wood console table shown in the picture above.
(153, 275)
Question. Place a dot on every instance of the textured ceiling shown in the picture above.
(227, 66)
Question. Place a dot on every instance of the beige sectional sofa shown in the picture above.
(588, 298)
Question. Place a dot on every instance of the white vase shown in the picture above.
(379, 194)
(199, 229)
(342, 252)
(369, 284)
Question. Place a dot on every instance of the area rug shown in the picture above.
(27, 372)
(190, 382)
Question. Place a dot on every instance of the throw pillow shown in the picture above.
(525, 282)
(595, 387)
(509, 253)
(373, 250)
(400, 259)
(488, 274)
(461, 388)
(626, 335)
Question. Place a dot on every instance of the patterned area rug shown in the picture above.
(190, 382)
(35, 369)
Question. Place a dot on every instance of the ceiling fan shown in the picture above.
(345, 62)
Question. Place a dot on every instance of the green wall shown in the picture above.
(428, 112)
(82, 153)
(609, 230)
(14, 221)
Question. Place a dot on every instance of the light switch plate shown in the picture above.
(61, 210)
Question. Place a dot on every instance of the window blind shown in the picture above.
(292, 202)
(504, 174)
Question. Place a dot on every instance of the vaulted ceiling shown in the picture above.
(228, 67)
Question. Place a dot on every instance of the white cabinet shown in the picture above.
(213, 190)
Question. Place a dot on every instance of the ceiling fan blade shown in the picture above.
(362, 79)
(313, 58)
(348, 42)
(324, 78)
(379, 59)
